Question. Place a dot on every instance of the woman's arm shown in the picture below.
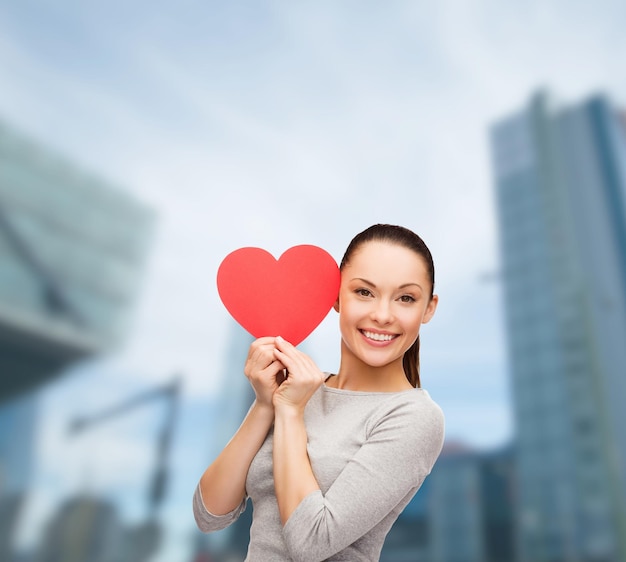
(401, 448)
(293, 475)
(223, 484)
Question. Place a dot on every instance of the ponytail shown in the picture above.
(411, 364)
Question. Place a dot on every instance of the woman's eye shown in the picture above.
(407, 298)
(363, 292)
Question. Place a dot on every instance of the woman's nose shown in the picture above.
(382, 312)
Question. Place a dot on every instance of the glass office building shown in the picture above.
(560, 183)
(471, 505)
(72, 251)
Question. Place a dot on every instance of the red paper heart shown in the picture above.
(288, 297)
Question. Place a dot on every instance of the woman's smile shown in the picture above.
(378, 337)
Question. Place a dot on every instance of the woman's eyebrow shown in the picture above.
(364, 281)
(373, 285)
(405, 285)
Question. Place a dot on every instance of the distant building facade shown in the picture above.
(409, 538)
(472, 505)
(18, 420)
(560, 183)
(84, 529)
(72, 253)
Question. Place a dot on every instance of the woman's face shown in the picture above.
(384, 298)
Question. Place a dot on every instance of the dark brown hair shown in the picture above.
(400, 236)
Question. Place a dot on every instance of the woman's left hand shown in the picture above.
(303, 380)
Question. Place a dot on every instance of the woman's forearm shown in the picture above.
(223, 484)
(293, 475)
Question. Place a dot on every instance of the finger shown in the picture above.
(260, 344)
(275, 366)
(262, 354)
(287, 352)
(284, 345)
(264, 340)
(253, 349)
(287, 361)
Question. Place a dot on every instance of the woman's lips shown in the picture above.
(378, 336)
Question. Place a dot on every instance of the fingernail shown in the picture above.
(279, 338)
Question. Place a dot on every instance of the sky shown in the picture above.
(272, 124)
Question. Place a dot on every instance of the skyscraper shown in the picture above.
(560, 183)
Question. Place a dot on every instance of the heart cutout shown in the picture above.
(288, 297)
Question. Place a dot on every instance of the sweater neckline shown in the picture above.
(364, 392)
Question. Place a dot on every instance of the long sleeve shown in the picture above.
(376, 484)
(206, 521)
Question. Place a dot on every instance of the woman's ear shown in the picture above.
(430, 309)
(336, 305)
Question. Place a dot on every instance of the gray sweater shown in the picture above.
(370, 453)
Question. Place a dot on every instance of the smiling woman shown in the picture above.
(330, 461)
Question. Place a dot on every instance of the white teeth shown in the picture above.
(378, 337)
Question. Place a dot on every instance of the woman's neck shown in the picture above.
(356, 375)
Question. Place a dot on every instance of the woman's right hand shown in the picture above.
(263, 370)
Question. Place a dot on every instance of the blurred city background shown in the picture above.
(142, 142)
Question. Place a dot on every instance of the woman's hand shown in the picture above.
(264, 370)
(303, 380)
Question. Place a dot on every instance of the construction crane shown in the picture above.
(144, 540)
